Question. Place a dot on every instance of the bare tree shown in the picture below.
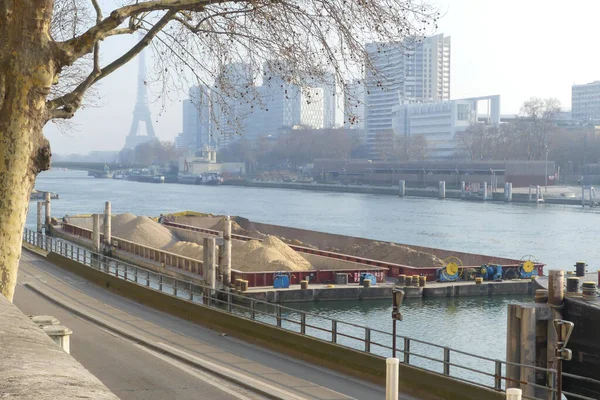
(46, 46)
(537, 122)
(418, 148)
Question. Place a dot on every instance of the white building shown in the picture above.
(312, 110)
(439, 122)
(413, 71)
(585, 102)
(329, 101)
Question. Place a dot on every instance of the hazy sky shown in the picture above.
(515, 48)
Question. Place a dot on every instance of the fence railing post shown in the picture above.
(446, 361)
(406, 350)
(229, 301)
(514, 394)
(392, 376)
(303, 323)
(191, 292)
(498, 376)
(175, 287)
(160, 282)
(278, 315)
(367, 340)
(252, 309)
(333, 331)
(148, 279)
(135, 274)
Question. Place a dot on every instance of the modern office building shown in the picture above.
(278, 107)
(312, 109)
(440, 122)
(232, 102)
(414, 71)
(585, 102)
(197, 118)
(329, 100)
(354, 105)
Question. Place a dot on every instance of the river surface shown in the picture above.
(557, 235)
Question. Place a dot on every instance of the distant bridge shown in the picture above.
(95, 167)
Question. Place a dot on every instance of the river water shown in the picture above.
(557, 235)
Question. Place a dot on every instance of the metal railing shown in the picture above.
(460, 365)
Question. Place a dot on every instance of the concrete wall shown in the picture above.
(32, 366)
(426, 385)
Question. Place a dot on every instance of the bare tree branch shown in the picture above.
(66, 106)
(77, 47)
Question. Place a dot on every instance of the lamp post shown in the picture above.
(397, 297)
(546, 181)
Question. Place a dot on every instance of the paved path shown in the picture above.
(127, 369)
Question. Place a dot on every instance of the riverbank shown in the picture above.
(519, 196)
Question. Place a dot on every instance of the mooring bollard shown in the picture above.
(392, 375)
(402, 279)
(580, 268)
(478, 280)
(415, 280)
(304, 285)
(401, 188)
(589, 290)
(366, 283)
(572, 284)
(422, 281)
(442, 190)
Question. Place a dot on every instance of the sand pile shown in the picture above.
(142, 230)
(396, 254)
(235, 227)
(187, 249)
(270, 255)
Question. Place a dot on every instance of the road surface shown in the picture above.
(134, 372)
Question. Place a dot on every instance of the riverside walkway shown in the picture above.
(139, 352)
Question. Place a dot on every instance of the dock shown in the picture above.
(354, 291)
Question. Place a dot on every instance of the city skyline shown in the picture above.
(486, 58)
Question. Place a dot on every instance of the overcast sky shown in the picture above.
(515, 48)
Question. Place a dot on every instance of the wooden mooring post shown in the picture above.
(531, 339)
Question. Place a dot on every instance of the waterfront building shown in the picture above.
(440, 122)
(414, 71)
(585, 102)
(312, 110)
(197, 120)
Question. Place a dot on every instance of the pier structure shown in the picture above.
(588, 196)
(535, 194)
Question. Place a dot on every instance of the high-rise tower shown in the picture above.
(141, 112)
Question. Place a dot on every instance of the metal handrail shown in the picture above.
(175, 286)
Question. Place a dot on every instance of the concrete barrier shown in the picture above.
(424, 384)
(32, 366)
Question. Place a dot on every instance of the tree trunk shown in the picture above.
(27, 70)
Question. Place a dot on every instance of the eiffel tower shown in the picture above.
(141, 112)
